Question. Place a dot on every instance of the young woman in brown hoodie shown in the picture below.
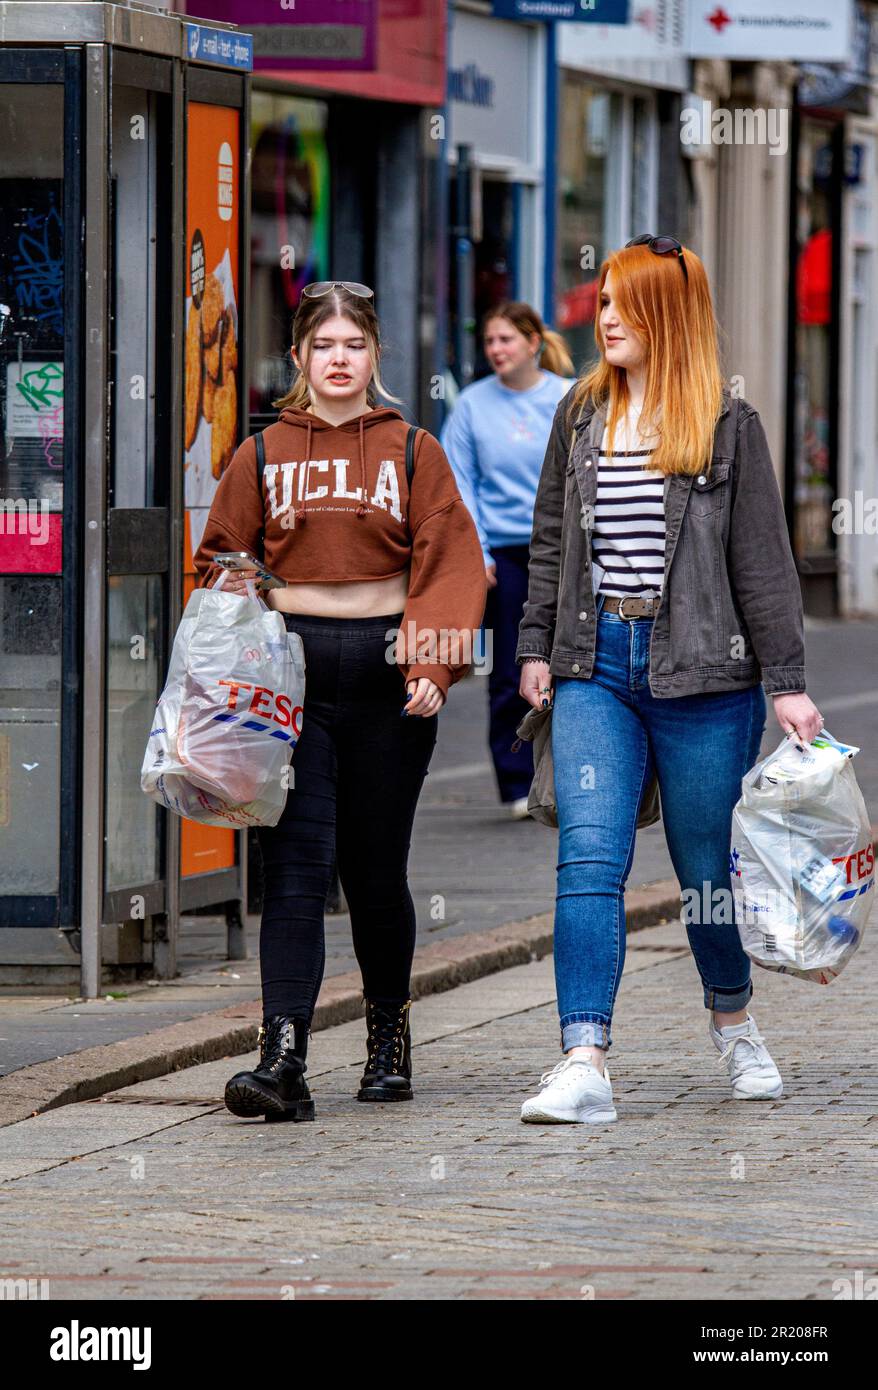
(386, 587)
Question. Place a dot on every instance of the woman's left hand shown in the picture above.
(799, 714)
(426, 699)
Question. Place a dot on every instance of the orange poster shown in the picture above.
(211, 380)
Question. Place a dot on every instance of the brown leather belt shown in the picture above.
(627, 606)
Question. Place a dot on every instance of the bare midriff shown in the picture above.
(357, 598)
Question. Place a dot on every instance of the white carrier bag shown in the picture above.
(802, 862)
(230, 713)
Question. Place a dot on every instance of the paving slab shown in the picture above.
(162, 1194)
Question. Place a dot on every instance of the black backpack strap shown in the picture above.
(410, 455)
(260, 472)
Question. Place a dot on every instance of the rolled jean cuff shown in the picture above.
(577, 1030)
(728, 1001)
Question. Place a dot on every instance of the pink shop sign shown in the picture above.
(327, 35)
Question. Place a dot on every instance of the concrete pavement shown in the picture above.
(156, 1192)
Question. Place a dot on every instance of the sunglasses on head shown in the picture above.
(662, 246)
(321, 287)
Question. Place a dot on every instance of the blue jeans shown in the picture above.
(608, 733)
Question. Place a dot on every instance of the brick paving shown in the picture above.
(156, 1192)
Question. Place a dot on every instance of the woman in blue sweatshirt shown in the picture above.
(495, 440)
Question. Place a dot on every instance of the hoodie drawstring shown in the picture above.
(300, 514)
(361, 509)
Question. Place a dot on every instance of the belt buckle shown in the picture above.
(620, 609)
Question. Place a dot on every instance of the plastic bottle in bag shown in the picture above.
(802, 860)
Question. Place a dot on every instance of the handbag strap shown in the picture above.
(410, 455)
(260, 473)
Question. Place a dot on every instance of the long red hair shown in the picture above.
(684, 383)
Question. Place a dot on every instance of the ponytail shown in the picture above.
(554, 356)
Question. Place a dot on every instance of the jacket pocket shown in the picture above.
(710, 491)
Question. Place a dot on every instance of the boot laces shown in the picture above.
(274, 1042)
(387, 1026)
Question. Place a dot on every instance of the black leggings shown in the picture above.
(357, 772)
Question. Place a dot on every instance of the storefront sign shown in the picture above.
(581, 11)
(490, 91)
(221, 46)
(337, 35)
(651, 32)
(768, 29)
(794, 30)
(471, 85)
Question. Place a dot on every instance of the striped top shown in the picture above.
(629, 528)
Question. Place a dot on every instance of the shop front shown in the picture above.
(122, 352)
(833, 325)
(619, 169)
(496, 186)
(344, 177)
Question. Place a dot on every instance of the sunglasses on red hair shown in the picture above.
(662, 246)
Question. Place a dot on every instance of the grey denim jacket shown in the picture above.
(731, 607)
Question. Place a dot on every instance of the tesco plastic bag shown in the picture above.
(230, 713)
(802, 860)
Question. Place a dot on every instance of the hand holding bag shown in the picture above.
(536, 728)
(230, 713)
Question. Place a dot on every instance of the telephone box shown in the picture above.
(123, 305)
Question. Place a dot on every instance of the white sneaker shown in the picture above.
(518, 809)
(753, 1074)
(572, 1092)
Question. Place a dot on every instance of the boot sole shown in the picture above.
(378, 1093)
(248, 1102)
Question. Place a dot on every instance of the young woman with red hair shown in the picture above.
(662, 597)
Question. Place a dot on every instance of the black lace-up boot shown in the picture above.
(388, 1074)
(276, 1088)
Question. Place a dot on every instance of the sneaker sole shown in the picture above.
(591, 1117)
(247, 1102)
(760, 1095)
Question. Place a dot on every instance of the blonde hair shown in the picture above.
(309, 315)
(684, 383)
(554, 356)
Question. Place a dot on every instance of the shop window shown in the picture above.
(134, 642)
(132, 345)
(289, 230)
(31, 483)
(814, 350)
(607, 177)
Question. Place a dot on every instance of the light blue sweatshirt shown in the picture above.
(495, 440)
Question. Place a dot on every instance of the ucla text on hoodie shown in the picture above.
(335, 507)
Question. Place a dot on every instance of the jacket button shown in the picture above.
(702, 479)
(583, 615)
(575, 667)
(588, 463)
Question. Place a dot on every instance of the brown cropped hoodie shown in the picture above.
(335, 507)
